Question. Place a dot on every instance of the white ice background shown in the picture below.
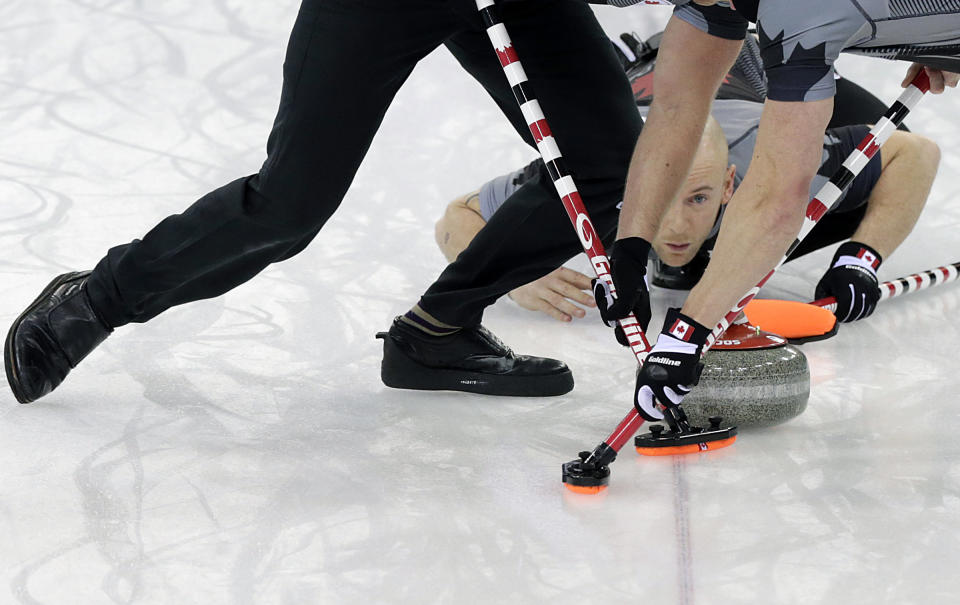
(243, 450)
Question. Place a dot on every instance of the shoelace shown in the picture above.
(493, 340)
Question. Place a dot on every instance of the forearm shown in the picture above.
(897, 199)
(660, 163)
(690, 68)
(744, 254)
(459, 225)
(766, 212)
(557, 294)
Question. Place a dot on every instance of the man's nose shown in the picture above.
(676, 223)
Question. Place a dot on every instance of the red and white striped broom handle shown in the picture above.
(831, 191)
(550, 153)
(825, 199)
(552, 158)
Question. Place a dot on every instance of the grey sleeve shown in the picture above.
(495, 192)
(799, 43)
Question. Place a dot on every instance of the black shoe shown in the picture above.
(679, 278)
(51, 337)
(472, 360)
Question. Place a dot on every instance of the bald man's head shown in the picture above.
(689, 219)
(713, 142)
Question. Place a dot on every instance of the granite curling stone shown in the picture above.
(752, 379)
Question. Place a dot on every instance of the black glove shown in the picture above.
(852, 280)
(628, 268)
(672, 367)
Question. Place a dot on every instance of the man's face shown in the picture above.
(690, 218)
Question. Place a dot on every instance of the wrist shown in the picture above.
(857, 254)
(681, 334)
(636, 249)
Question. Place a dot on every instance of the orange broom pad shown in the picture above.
(585, 489)
(791, 319)
(691, 448)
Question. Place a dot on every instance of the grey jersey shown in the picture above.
(801, 39)
(739, 120)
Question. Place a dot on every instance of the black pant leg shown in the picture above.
(345, 61)
(833, 228)
(588, 103)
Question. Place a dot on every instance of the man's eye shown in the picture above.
(699, 199)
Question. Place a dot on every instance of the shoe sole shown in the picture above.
(400, 372)
(12, 379)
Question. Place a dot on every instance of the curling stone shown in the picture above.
(750, 378)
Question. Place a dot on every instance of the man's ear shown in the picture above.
(728, 184)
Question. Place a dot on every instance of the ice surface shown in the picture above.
(243, 450)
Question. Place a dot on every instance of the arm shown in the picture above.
(460, 223)
(766, 212)
(690, 67)
(761, 220)
(939, 79)
(909, 164)
(553, 294)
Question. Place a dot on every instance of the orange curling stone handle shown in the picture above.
(746, 337)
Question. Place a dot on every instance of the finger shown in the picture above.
(605, 300)
(642, 311)
(856, 308)
(672, 397)
(579, 280)
(820, 291)
(527, 300)
(565, 306)
(618, 310)
(574, 293)
(951, 79)
(646, 405)
(936, 80)
(846, 303)
(862, 307)
(553, 311)
(912, 72)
